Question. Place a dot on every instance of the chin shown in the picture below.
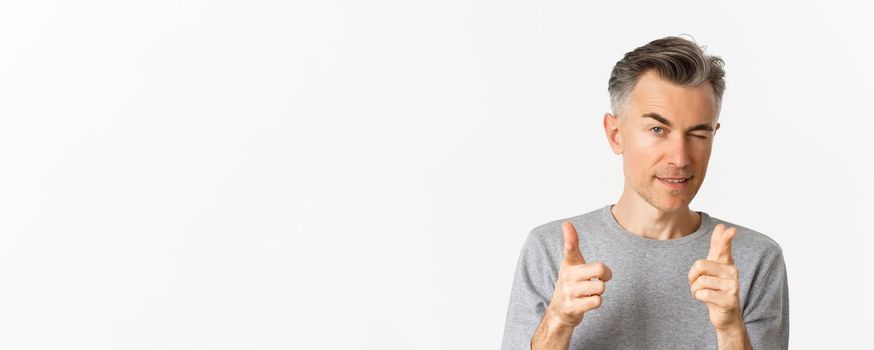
(666, 201)
(669, 203)
(670, 207)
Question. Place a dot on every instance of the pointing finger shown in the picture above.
(720, 244)
(572, 254)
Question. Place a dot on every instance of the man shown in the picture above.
(648, 272)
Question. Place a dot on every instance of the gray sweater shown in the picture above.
(648, 304)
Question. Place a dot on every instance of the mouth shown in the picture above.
(675, 183)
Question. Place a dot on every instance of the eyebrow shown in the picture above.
(662, 120)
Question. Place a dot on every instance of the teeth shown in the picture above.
(675, 181)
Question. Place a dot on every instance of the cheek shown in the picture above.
(701, 154)
(641, 150)
(639, 163)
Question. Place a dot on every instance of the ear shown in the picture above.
(611, 129)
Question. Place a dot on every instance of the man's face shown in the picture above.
(666, 135)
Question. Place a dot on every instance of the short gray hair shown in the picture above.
(676, 59)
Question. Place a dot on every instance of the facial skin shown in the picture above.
(652, 149)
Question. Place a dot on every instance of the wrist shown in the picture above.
(731, 331)
(732, 328)
(557, 323)
(733, 337)
(553, 332)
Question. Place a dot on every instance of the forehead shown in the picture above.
(681, 104)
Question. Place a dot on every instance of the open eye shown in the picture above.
(658, 130)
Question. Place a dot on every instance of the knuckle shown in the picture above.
(600, 287)
(575, 292)
(710, 280)
(733, 287)
(595, 301)
(733, 271)
(598, 268)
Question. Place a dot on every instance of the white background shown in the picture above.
(339, 174)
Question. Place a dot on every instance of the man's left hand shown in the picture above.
(714, 281)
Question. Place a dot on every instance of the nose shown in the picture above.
(678, 153)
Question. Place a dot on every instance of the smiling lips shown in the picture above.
(675, 183)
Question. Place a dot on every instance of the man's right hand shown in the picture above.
(580, 285)
(576, 292)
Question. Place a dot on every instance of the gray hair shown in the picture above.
(676, 59)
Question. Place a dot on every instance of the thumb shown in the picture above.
(720, 244)
(572, 254)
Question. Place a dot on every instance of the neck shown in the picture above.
(637, 216)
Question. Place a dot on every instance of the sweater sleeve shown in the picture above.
(767, 313)
(533, 283)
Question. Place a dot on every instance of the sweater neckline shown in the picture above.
(631, 238)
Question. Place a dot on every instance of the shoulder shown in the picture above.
(751, 247)
(549, 237)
